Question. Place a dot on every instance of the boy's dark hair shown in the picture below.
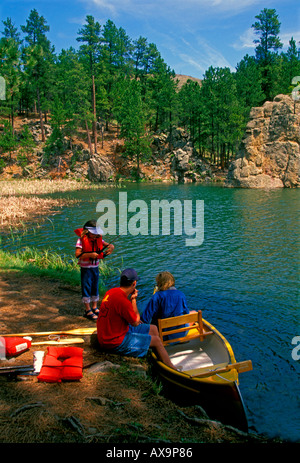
(125, 282)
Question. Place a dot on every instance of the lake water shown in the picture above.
(244, 277)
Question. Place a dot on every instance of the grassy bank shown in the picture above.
(49, 264)
(24, 202)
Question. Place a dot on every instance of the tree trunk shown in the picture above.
(223, 156)
(170, 129)
(156, 121)
(41, 115)
(95, 116)
(138, 167)
(12, 113)
(89, 138)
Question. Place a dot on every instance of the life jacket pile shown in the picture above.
(89, 245)
(62, 363)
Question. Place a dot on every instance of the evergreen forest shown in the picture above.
(112, 79)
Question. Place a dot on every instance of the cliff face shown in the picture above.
(269, 156)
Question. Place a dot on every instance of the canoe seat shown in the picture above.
(195, 330)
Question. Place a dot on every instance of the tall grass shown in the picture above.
(50, 264)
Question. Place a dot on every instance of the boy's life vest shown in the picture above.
(89, 245)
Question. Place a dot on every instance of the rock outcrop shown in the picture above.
(175, 159)
(101, 169)
(269, 156)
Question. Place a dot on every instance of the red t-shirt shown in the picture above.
(115, 316)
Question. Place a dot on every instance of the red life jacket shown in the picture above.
(89, 245)
(14, 345)
(62, 364)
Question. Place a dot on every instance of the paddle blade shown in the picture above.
(240, 367)
(246, 365)
(80, 331)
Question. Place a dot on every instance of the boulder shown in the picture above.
(100, 169)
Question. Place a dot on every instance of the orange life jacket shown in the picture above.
(62, 364)
(89, 245)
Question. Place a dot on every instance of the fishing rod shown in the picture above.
(108, 244)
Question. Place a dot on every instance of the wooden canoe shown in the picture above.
(208, 373)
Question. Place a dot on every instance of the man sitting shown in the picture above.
(119, 329)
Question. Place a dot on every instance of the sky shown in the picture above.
(191, 35)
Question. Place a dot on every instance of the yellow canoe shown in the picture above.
(207, 374)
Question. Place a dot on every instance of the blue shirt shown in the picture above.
(165, 304)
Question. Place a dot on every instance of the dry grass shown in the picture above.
(39, 187)
(16, 210)
(22, 201)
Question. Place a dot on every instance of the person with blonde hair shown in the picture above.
(164, 281)
(167, 301)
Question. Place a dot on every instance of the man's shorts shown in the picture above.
(136, 342)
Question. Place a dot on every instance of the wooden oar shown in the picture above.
(59, 342)
(240, 367)
(76, 332)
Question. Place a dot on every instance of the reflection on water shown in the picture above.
(244, 277)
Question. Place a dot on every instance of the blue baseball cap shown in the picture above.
(129, 274)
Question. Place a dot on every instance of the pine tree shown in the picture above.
(249, 84)
(38, 58)
(133, 124)
(115, 64)
(8, 140)
(267, 28)
(10, 66)
(290, 67)
(89, 34)
(164, 99)
(73, 90)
